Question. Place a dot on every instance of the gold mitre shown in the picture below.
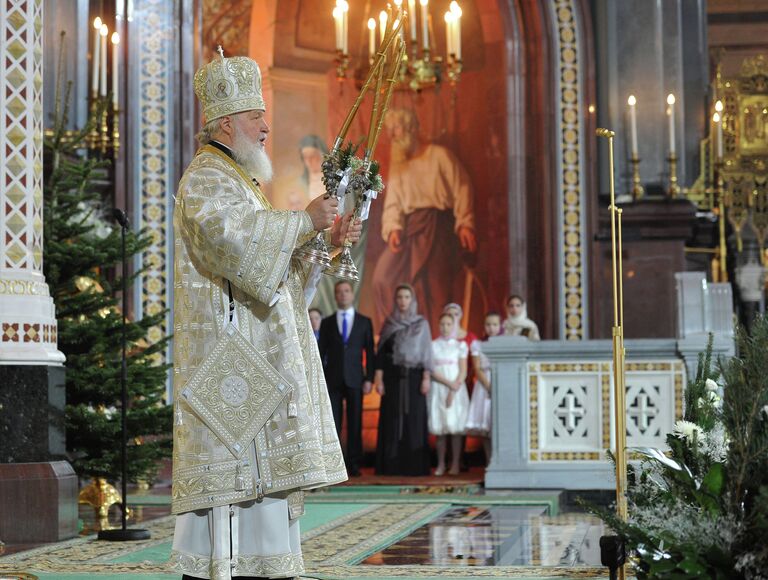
(226, 86)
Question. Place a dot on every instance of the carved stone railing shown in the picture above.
(553, 405)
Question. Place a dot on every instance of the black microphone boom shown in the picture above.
(124, 534)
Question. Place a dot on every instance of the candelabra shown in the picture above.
(637, 190)
(421, 68)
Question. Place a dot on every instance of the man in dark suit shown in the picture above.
(346, 347)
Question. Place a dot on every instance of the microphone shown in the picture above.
(121, 218)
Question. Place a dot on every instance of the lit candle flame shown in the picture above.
(371, 24)
(104, 30)
(670, 99)
(115, 38)
(97, 23)
(631, 101)
(716, 118)
(719, 106)
(455, 8)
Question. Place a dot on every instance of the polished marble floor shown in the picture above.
(498, 536)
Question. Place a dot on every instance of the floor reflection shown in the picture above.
(498, 536)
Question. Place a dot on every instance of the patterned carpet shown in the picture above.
(336, 538)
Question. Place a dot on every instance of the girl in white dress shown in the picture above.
(479, 419)
(448, 402)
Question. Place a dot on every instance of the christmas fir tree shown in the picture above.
(82, 255)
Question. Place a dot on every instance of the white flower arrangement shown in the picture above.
(711, 386)
(687, 430)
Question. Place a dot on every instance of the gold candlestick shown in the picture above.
(722, 251)
(115, 129)
(453, 68)
(674, 188)
(637, 190)
(93, 137)
(342, 64)
(104, 137)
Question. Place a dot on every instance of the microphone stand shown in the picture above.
(124, 534)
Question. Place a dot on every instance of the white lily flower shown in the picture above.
(711, 385)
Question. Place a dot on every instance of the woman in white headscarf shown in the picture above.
(517, 322)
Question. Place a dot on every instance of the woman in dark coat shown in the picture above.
(402, 379)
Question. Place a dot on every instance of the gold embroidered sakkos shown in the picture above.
(227, 238)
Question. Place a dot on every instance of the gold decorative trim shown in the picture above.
(570, 456)
(533, 400)
(23, 288)
(569, 128)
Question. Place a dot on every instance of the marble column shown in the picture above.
(27, 314)
(651, 49)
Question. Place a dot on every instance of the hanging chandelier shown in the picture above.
(422, 67)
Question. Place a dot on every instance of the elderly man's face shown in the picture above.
(253, 126)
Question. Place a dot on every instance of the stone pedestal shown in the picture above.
(31, 413)
(654, 236)
(38, 502)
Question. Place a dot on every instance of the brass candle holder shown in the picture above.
(722, 249)
(636, 190)
(674, 188)
(342, 64)
(104, 137)
(115, 129)
(453, 68)
(93, 140)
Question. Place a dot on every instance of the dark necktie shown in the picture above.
(344, 329)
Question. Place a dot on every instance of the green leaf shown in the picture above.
(713, 480)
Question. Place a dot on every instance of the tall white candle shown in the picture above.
(345, 27)
(448, 35)
(115, 68)
(720, 123)
(632, 102)
(371, 38)
(671, 113)
(103, 81)
(456, 11)
(96, 55)
(412, 18)
(337, 26)
(718, 135)
(424, 24)
(382, 25)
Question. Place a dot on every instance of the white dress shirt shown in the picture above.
(350, 312)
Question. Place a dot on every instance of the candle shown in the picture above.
(104, 32)
(424, 24)
(96, 52)
(382, 25)
(671, 113)
(412, 17)
(448, 35)
(337, 26)
(632, 102)
(718, 135)
(115, 69)
(456, 11)
(371, 38)
(344, 5)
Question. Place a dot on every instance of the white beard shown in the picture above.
(252, 157)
